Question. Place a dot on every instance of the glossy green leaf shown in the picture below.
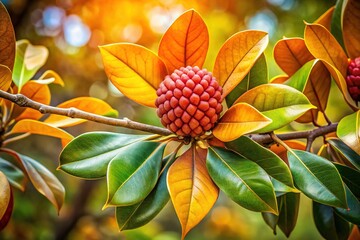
(281, 188)
(271, 220)
(135, 167)
(269, 161)
(288, 213)
(242, 180)
(7, 39)
(329, 224)
(300, 77)
(336, 23)
(6, 201)
(134, 216)
(351, 178)
(317, 178)
(88, 155)
(349, 132)
(345, 151)
(352, 214)
(281, 103)
(258, 75)
(14, 175)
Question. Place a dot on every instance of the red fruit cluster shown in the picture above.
(189, 101)
(353, 79)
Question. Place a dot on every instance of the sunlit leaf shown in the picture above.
(134, 216)
(29, 59)
(279, 79)
(7, 39)
(242, 180)
(185, 43)
(14, 175)
(87, 104)
(6, 199)
(192, 191)
(348, 131)
(325, 18)
(345, 150)
(237, 56)
(317, 178)
(37, 127)
(282, 104)
(291, 54)
(351, 214)
(337, 21)
(324, 46)
(5, 77)
(50, 76)
(88, 155)
(134, 70)
(351, 28)
(238, 120)
(136, 166)
(328, 223)
(351, 178)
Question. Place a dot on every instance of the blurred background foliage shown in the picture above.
(72, 30)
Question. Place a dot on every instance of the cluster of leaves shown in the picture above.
(143, 171)
(19, 62)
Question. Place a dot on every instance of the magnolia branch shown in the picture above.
(24, 101)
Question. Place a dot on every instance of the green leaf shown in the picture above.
(352, 214)
(258, 75)
(289, 209)
(242, 180)
(317, 178)
(88, 155)
(14, 175)
(345, 151)
(281, 103)
(301, 76)
(329, 224)
(271, 220)
(133, 173)
(134, 216)
(269, 161)
(336, 23)
(28, 60)
(351, 178)
(349, 131)
(281, 188)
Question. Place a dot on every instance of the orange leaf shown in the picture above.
(134, 70)
(279, 79)
(185, 43)
(5, 77)
(326, 18)
(37, 92)
(238, 120)
(282, 152)
(237, 56)
(351, 28)
(7, 39)
(290, 54)
(37, 127)
(191, 189)
(6, 201)
(323, 45)
(50, 76)
(88, 104)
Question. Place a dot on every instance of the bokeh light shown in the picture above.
(76, 33)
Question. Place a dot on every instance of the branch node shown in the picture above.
(42, 110)
(21, 100)
(72, 112)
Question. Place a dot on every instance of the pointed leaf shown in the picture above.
(324, 46)
(291, 54)
(134, 70)
(238, 120)
(271, 220)
(348, 131)
(325, 18)
(14, 175)
(185, 43)
(352, 214)
(329, 224)
(29, 59)
(337, 22)
(242, 180)
(317, 178)
(134, 216)
(351, 28)
(87, 104)
(279, 79)
(6, 198)
(191, 189)
(5, 77)
(258, 75)
(50, 76)
(237, 56)
(37, 127)
(136, 166)
(7, 39)
(280, 103)
(88, 155)
(345, 151)
(288, 213)
(351, 178)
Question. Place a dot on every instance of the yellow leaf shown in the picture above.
(191, 189)
(185, 43)
(291, 54)
(50, 76)
(88, 104)
(7, 39)
(237, 56)
(238, 120)
(5, 77)
(37, 127)
(323, 45)
(134, 70)
(326, 18)
(351, 28)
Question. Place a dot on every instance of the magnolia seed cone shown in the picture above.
(189, 101)
(353, 79)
